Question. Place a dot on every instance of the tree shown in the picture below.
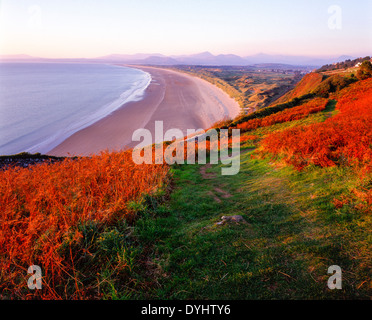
(365, 70)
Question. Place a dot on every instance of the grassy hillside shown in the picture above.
(307, 85)
(105, 228)
(326, 80)
(299, 219)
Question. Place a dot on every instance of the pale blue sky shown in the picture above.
(91, 28)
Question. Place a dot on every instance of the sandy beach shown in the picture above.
(181, 101)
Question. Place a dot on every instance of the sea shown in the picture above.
(42, 104)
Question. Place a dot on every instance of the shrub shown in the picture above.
(344, 138)
(51, 215)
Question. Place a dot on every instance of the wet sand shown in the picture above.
(179, 100)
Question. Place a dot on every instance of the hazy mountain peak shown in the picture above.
(203, 58)
(205, 55)
(16, 57)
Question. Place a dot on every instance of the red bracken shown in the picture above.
(344, 138)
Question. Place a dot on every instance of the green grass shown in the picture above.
(292, 236)
(175, 250)
(293, 233)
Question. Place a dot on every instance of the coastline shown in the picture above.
(181, 101)
(135, 93)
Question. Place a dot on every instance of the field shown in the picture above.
(253, 87)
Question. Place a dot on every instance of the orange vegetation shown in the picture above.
(360, 199)
(307, 84)
(248, 138)
(41, 204)
(344, 138)
(291, 114)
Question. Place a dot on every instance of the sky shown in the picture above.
(94, 28)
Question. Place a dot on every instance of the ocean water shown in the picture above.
(42, 104)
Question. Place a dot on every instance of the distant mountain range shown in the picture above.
(204, 59)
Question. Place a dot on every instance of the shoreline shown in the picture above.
(135, 93)
(181, 101)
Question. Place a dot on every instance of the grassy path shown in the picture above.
(291, 237)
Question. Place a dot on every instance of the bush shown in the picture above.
(333, 84)
(365, 70)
